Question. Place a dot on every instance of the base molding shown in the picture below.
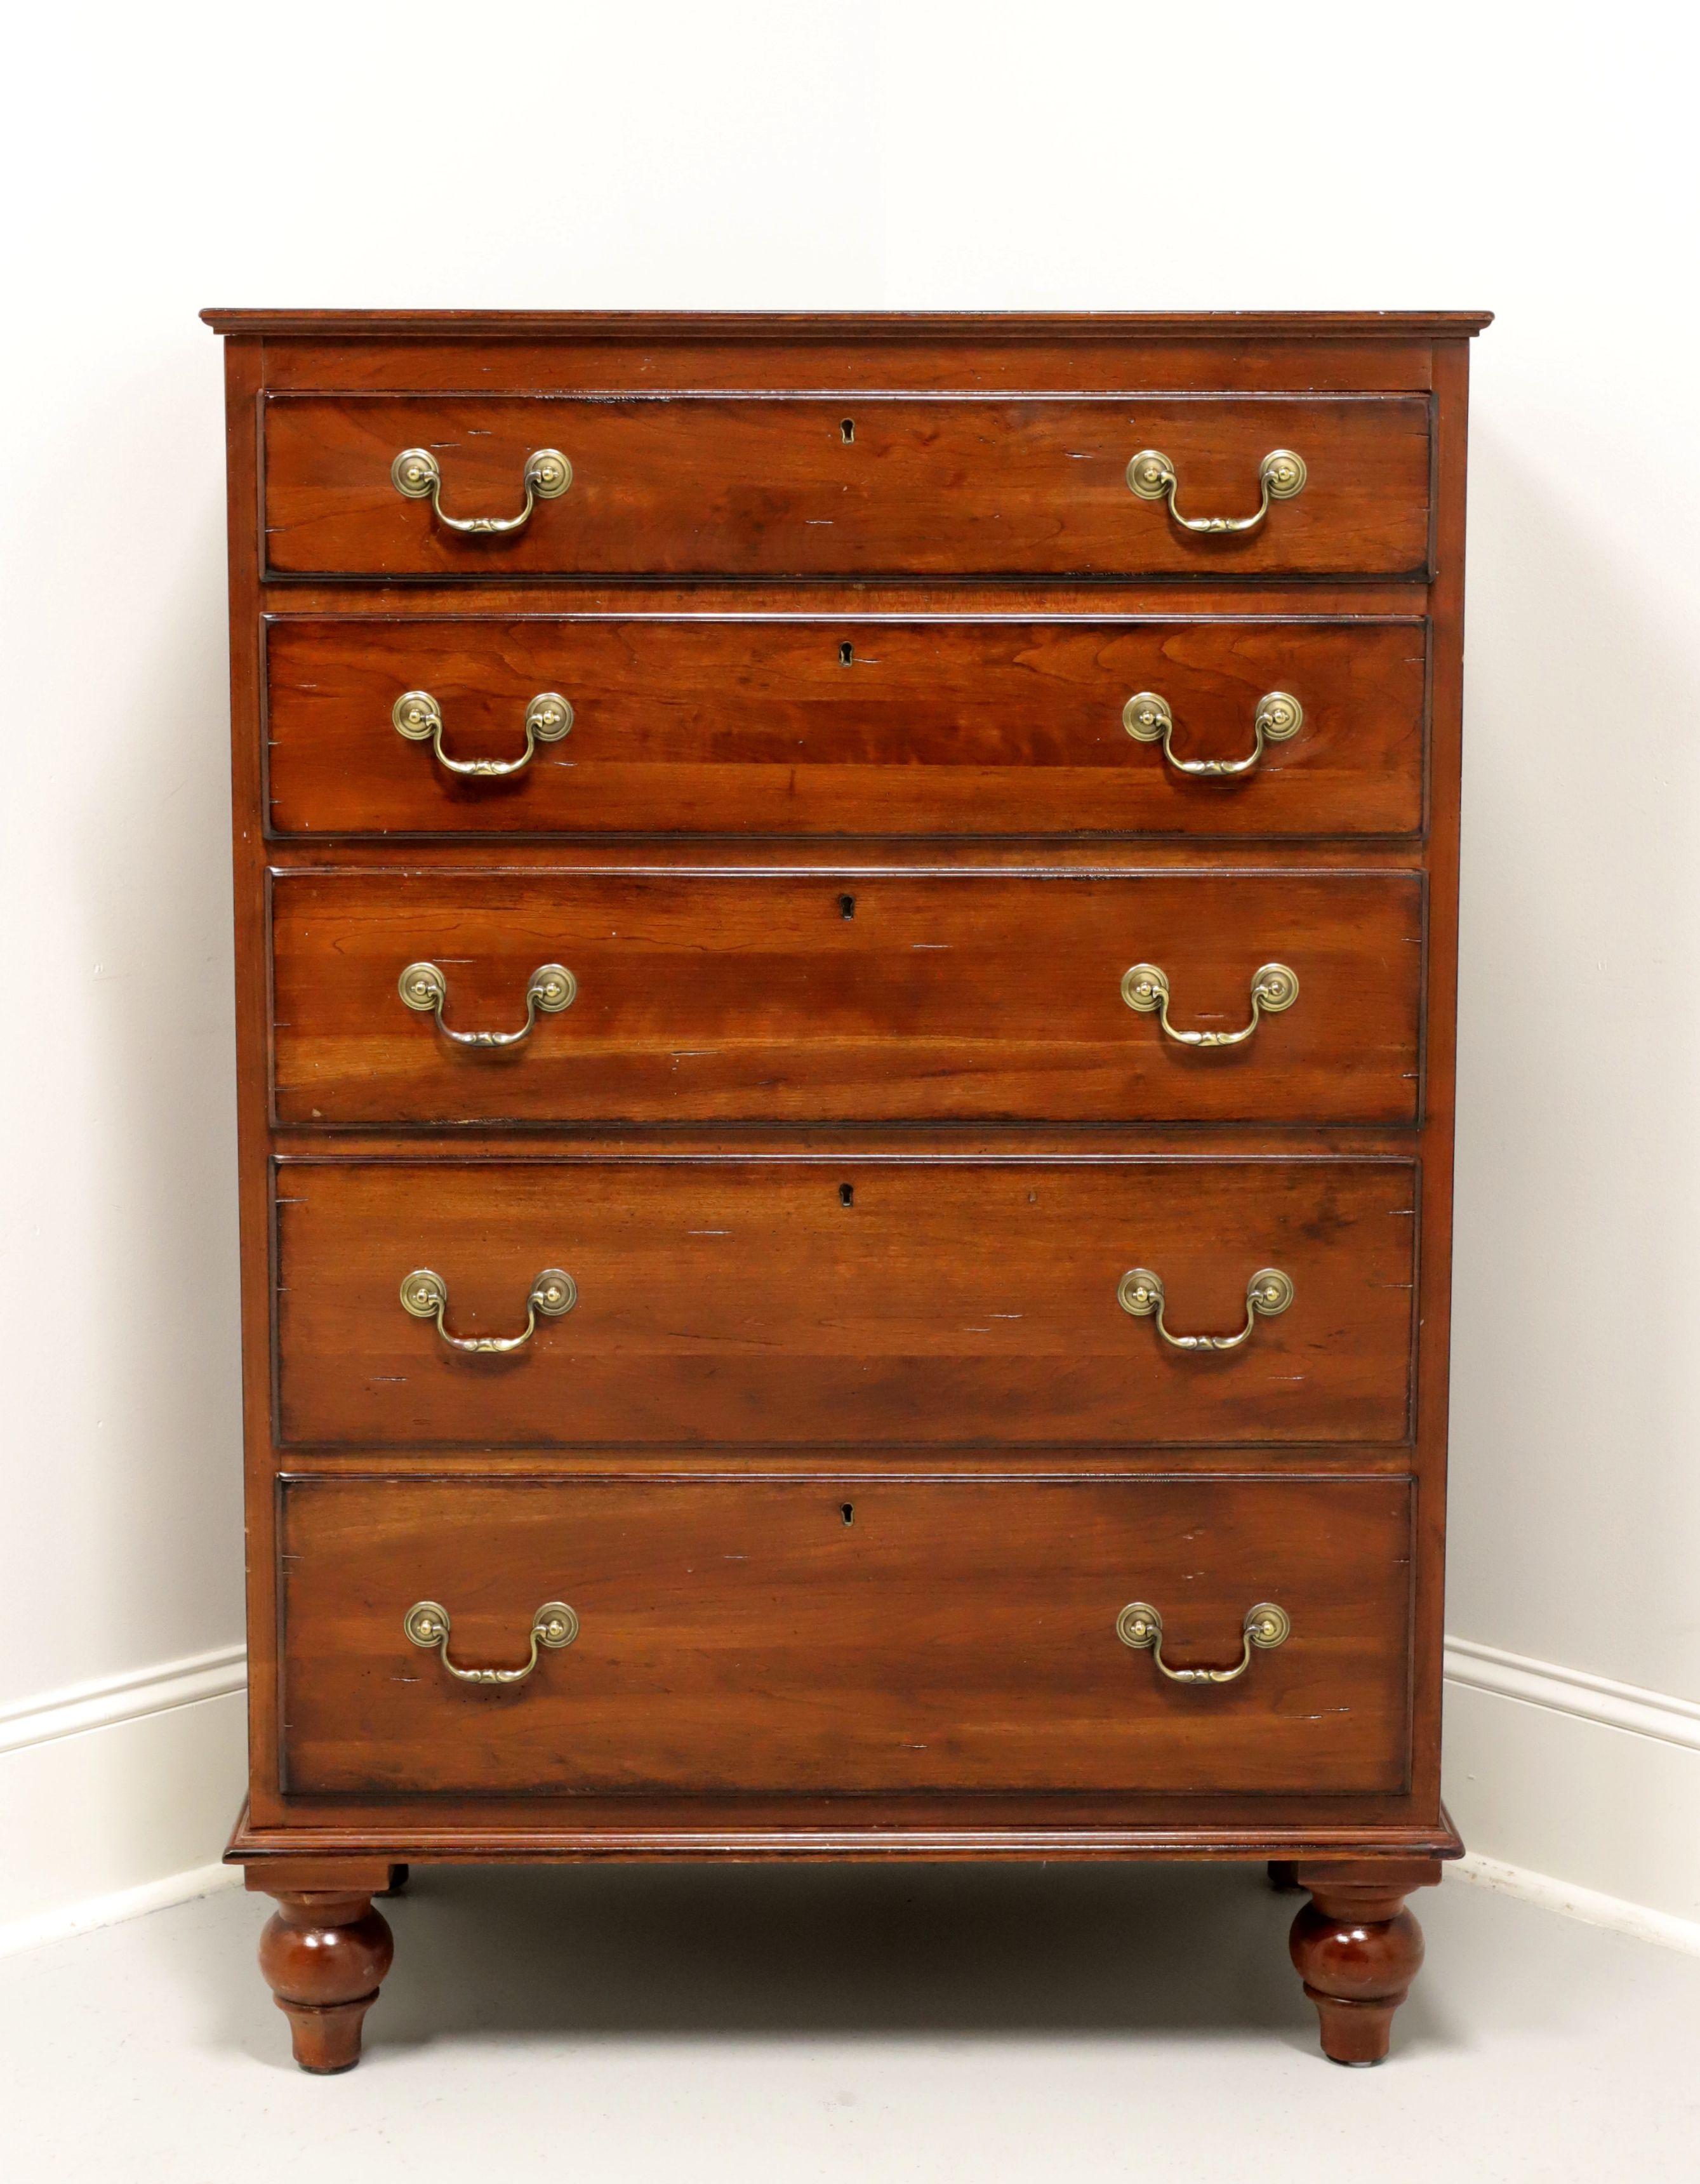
(402, 1838)
(1588, 1905)
(1606, 1808)
(65, 1920)
(114, 1798)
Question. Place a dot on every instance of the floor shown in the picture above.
(690, 2026)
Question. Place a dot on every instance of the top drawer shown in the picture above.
(870, 485)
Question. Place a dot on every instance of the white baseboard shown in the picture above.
(1552, 1773)
(1586, 1904)
(1574, 1691)
(60, 1922)
(1571, 1790)
(117, 1796)
(113, 1699)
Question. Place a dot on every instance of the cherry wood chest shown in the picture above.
(846, 935)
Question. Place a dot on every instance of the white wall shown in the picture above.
(1538, 162)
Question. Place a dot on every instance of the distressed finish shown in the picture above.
(954, 1301)
(846, 1634)
(951, 997)
(1358, 1948)
(834, 1435)
(747, 725)
(324, 1954)
(864, 485)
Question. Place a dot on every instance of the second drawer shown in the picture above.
(699, 997)
(397, 725)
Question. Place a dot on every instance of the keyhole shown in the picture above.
(846, 905)
(847, 1511)
(847, 431)
(846, 654)
(846, 1194)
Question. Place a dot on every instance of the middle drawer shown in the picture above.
(687, 997)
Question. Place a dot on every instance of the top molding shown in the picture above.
(843, 326)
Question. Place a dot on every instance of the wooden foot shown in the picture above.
(1358, 1949)
(1284, 1875)
(324, 1955)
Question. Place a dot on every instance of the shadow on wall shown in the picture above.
(1574, 1396)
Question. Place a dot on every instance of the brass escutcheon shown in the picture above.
(550, 989)
(1148, 719)
(1268, 1293)
(1146, 989)
(416, 475)
(417, 715)
(554, 1626)
(1265, 1626)
(425, 1295)
(1282, 475)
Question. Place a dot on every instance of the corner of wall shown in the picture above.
(1588, 1787)
(117, 1798)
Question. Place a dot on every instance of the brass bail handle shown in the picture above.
(425, 1295)
(550, 989)
(1265, 1627)
(554, 1626)
(1140, 1293)
(1152, 477)
(417, 715)
(1146, 989)
(1148, 718)
(416, 475)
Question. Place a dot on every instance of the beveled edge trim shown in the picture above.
(837, 325)
(407, 1840)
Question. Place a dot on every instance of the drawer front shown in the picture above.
(946, 997)
(685, 485)
(845, 726)
(850, 1635)
(859, 1301)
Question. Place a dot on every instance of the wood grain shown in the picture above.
(954, 997)
(1358, 1948)
(729, 356)
(724, 1300)
(847, 1636)
(845, 726)
(323, 1954)
(769, 486)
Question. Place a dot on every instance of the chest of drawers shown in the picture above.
(845, 937)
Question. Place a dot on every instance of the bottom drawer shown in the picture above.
(843, 1636)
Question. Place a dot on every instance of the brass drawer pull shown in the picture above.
(1266, 1626)
(554, 1626)
(1146, 990)
(1148, 720)
(1281, 473)
(417, 475)
(417, 715)
(550, 989)
(426, 1295)
(1140, 1292)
